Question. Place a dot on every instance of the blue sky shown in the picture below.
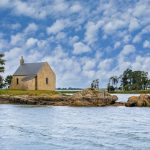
(81, 39)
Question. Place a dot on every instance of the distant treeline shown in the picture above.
(129, 80)
(70, 88)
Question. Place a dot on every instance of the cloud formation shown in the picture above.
(82, 40)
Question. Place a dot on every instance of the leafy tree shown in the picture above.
(8, 81)
(126, 79)
(2, 63)
(113, 81)
(131, 80)
(95, 84)
(1, 82)
(134, 80)
(110, 88)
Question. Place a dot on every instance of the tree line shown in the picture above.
(4, 82)
(129, 80)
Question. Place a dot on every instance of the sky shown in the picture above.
(82, 40)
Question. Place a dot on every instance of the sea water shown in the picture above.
(74, 128)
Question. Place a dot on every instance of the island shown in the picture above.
(86, 97)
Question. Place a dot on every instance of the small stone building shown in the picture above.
(33, 76)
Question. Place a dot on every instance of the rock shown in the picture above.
(119, 104)
(139, 101)
(91, 97)
(87, 97)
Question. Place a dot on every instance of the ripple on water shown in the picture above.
(67, 128)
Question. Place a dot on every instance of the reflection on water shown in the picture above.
(74, 128)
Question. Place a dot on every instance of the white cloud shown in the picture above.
(30, 9)
(31, 42)
(127, 39)
(92, 31)
(117, 45)
(32, 27)
(105, 64)
(60, 6)
(138, 37)
(75, 8)
(4, 3)
(141, 63)
(134, 24)
(80, 48)
(61, 36)
(58, 26)
(128, 49)
(73, 39)
(114, 25)
(146, 44)
(16, 39)
(89, 64)
(78, 28)
(13, 53)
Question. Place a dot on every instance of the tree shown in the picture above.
(126, 79)
(95, 84)
(8, 81)
(130, 80)
(2, 63)
(113, 81)
(1, 82)
(134, 80)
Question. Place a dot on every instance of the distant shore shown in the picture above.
(131, 92)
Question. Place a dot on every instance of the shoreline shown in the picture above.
(84, 98)
(59, 101)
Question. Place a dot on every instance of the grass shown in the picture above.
(132, 92)
(27, 92)
(50, 93)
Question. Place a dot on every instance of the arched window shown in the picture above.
(46, 80)
(17, 81)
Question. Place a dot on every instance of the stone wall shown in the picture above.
(30, 84)
(24, 85)
(20, 85)
(46, 72)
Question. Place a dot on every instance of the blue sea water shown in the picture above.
(74, 128)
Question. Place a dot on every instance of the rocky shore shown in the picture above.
(87, 97)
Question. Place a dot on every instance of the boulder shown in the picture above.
(139, 101)
(92, 97)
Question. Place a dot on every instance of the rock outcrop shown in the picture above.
(91, 97)
(139, 101)
(87, 97)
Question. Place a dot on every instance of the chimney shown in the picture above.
(21, 60)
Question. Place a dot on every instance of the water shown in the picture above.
(74, 128)
(124, 97)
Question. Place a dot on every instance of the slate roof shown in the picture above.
(28, 69)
